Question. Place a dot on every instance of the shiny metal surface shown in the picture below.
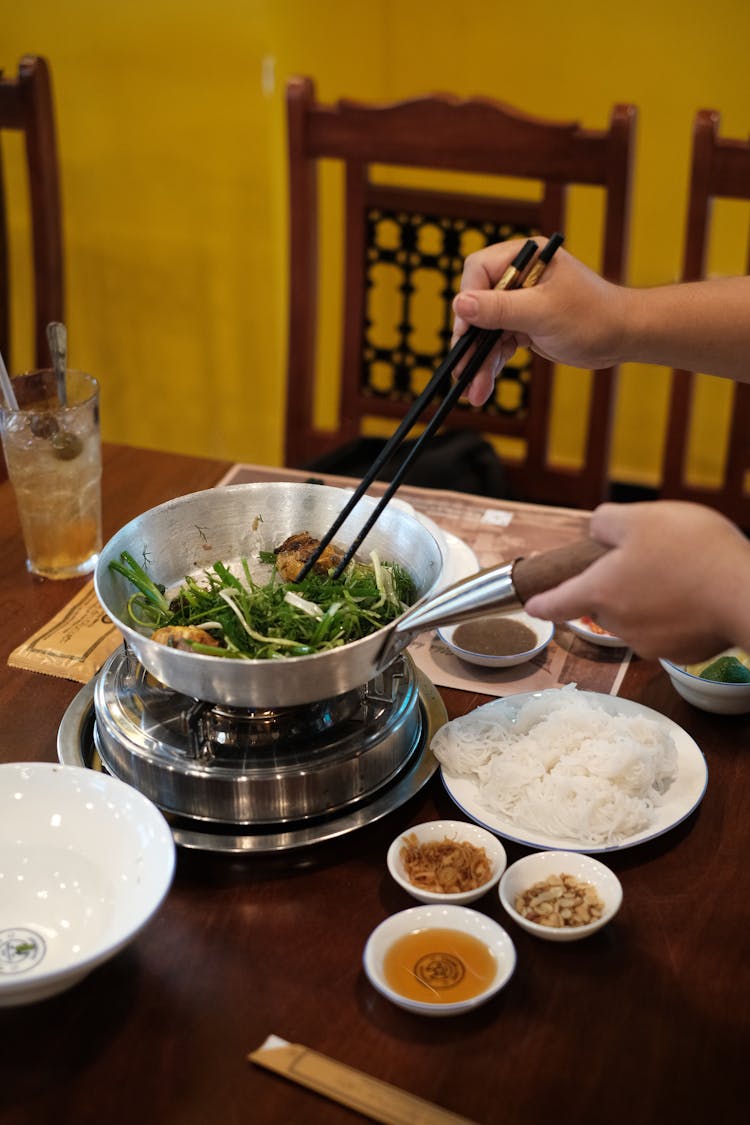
(185, 535)
(491, 588)
(75, 746)
(502, 589)
(182, 758)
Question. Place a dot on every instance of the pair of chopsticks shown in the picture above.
(483, 341)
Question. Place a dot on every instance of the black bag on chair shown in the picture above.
(460, 460)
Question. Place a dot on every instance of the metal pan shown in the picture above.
(186, 535)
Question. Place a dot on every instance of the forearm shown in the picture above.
(701, 326)
(575, 317)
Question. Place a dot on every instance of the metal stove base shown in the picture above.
(76, 746)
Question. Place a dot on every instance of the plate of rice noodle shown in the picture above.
(571, 769)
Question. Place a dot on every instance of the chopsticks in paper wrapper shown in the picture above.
(341, 1083)
(74, 644)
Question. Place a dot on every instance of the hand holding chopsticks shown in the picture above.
(483, 341)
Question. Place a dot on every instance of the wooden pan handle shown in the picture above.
(550, 568)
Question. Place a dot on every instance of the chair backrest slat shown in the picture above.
(26, 106)
(442, 134)
(720, 169)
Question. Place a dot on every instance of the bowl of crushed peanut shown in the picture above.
(446, 861)
(560, 896)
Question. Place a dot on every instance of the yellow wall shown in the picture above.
(171, 128)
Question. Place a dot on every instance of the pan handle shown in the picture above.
(541, 572)
(501, 589)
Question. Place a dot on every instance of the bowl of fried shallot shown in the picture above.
(446, 861)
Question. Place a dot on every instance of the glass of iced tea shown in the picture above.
(53, 454)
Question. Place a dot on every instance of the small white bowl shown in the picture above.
(85, 861)
(604, 640)
(708, 695)
(435, 831)
(439, 917)
(543, 630)
(534, 868)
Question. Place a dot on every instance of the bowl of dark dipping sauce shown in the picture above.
(498, 640)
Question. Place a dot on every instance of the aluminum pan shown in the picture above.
(189, 533)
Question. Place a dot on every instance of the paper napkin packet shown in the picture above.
(74, 644)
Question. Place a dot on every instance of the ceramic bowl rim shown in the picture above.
(604, 640)
(545, 631)
(482, 837)
(405, 920)
(712, 696)
(111, 942)
(601, 874)
(670, 667)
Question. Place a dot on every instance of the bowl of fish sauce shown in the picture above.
(439, 960)
(446, 861)
(499, 640)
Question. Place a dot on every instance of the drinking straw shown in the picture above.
(5, 383)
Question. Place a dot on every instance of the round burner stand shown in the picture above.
(77, 744)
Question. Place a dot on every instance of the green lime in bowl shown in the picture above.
(720, 685)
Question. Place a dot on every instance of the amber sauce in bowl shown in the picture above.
(438, 960)
(439, 966)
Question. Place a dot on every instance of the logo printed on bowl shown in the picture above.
(20, 950)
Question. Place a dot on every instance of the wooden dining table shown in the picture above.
(646, 1021)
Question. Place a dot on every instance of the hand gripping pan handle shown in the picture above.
(497, 589)
(541, 572)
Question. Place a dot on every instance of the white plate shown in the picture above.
(606, 640)
(459, 559)
(683, 796)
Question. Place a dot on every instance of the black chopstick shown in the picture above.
(484, 346)
(484, 340)
(417, 408)
(545, 256)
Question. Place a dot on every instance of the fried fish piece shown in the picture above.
(294, 552)
(183, 637)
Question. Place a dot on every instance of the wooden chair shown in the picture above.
(720, 169)
(417, 234)
(26, 106)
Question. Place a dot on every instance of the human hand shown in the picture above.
(571, 316)
(674, 584)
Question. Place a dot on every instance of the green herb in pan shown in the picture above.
(275, 619)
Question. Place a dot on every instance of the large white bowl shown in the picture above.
(534, 868)
(435, 831)
(85, 861)
(709, 695)
(440, 917)
(542, 630)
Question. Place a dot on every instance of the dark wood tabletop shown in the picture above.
(646, 1021)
